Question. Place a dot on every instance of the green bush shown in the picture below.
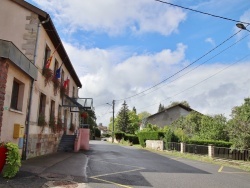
(210, 142)
(106, 135)
(150, 135)
(97, 133)
(119, 135)
(131, 138)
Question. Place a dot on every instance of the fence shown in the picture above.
(233, 154)
(211, 151)
(196, 149)
(173, 146)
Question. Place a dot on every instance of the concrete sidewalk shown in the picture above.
(54, 170)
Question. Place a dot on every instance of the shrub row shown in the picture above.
(152, 135)
(210, 142)
(127, 137)
(131, 138)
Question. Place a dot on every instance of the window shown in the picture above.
(59, 111)
(17, 95)
(52, 109)
(46, 55)
(42, 104)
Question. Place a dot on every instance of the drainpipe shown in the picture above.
(25, 143)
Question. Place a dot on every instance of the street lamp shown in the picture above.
(241, 26)
(113, 127)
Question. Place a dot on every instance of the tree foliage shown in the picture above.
(213, 128)
(239, 126)
(185, 103)
(161, 108)
(190, 124)
(134, 122)
(123, 118)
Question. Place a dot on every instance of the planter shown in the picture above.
(84, 115)
(3, 151)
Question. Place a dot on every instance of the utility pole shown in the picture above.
(113, 127)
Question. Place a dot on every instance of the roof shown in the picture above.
(54, 37)
(180, 105)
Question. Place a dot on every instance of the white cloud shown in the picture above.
(106, 80)
(210, 41)
(114, 16)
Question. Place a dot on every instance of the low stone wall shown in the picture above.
(42, 144)
(154, 144)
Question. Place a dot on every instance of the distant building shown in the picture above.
(169, 115)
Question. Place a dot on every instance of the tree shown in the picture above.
(190, 124)
(134, 109)
(213, 128)
(185, 103)
(161, 108)
(143, 115)
(91, 120)
(239, 126)
(123, 118)
(134, 122)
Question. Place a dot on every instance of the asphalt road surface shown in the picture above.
(111, 165)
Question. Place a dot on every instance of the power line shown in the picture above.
(199, 82)
(201, 12)
(198, 65)
(181, 69)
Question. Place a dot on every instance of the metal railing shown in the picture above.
(217, 152)
(234, 154)
(173, 146)
(196, 149)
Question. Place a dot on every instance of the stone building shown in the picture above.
(167, 116)
(34, 90)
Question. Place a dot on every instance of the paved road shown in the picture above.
(125, 166)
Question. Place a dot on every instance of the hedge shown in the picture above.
(131, 138)
(210, 142)
(119, 135)
(149, 135)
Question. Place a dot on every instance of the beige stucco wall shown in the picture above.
(13, 22)
(39, 86)
(10, 117)
(20, 26)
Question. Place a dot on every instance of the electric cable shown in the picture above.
(229, 19)
(199, 82)
(197, 65)
(182, 68)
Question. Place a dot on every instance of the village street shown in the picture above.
(108, 165)
(112, 165)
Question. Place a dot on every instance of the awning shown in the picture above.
(77, 104)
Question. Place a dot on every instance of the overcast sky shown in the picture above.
(120, 49)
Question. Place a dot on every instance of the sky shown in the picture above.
(146, 52)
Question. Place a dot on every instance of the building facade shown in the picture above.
(169, 115)
(37, 79)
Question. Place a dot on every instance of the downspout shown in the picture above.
(25, 143)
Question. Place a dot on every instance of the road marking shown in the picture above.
(117, 172)
(111, 182)
(121, 185)
(226, 172)
(120, 164)
(220, 169)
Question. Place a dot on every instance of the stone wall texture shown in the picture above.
(154, 144)
(3, 79)
(42, 144)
